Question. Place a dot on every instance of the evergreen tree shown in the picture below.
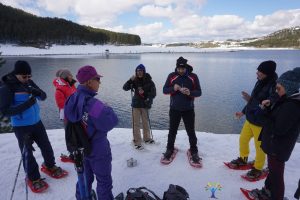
(5, 125)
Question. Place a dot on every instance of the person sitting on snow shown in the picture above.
(18, 99)
(99, 119)
(144, 93)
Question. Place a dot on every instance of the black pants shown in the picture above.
(189, 123)
(275, 178)
(297, 193)
(29, 134)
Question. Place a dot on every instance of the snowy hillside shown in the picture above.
(214, 148)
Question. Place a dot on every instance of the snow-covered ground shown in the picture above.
(13, 50)
(213, 148)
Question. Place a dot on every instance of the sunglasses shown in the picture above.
(26, 76)
(97, 79)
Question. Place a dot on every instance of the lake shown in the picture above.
(222, 75)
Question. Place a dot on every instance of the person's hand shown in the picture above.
(185, 91)
(35, 92)
(177, 87)
(148, 103)
(238, 115)
(141, 91)
(266, 103)
(61, 114)
(246, 96)
(132, 78)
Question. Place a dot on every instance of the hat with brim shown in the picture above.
(86, 73)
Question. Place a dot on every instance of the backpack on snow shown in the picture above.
(141, 193)
(176, 192)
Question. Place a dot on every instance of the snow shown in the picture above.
(149, 172)
(14, 50)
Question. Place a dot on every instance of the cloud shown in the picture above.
(156, 11)
(148, 33)
(59, 7)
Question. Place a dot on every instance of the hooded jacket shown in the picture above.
(18, 102)
(63, 90)
(146, 83)
(281, 128)
(263, 89)
(179, 101)
(99, 118)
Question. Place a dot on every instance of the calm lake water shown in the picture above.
(222, 75)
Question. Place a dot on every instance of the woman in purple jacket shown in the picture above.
(99, 119)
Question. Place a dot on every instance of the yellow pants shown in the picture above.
(250, 130)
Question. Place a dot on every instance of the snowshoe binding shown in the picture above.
(240, 164)
(255, 175)
(168, 156)
(38, 185)
(54, 172)
(66, 158)
(194, 159)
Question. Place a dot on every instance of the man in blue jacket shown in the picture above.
(19, 95)
(99, 119)
(183, 86)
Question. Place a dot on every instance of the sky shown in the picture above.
(167, 21)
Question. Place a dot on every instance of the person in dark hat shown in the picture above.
(18, 99)
(98, 119)
(183, 87)
(280, 132)
(264, 89)
(144, 93)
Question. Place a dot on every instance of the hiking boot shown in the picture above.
(138, 147)
(168, 154)
(263, 194)
(239, 162)
(150, 141)
(254, 173)
(196, 158)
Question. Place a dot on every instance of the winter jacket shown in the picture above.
(18, 100)
(281, 128)
(263, 89)
(63, 90)
(179, 101)
(99, 118)
(145, 100)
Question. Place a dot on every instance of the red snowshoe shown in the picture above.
(167, 161)
(247, 194)
(194, 160)
(65, 158)
(256, 194)
(264, 174)
(239, 164)
(54, 172)
(37, 186)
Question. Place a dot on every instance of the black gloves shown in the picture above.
(148, 103)
(35, 92)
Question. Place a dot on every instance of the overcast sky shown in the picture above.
(173, 20)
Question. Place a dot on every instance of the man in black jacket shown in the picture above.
(144, 93)
(263, 89)
(183, 86)
(19, 95)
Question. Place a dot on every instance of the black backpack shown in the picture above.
(175, 192)
(141, 193)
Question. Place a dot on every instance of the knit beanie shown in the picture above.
(64, 73)
(140, 67)
(181, 62)
(267, 67)
(22, 67)
(290, 80)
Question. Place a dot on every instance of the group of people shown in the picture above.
(272, 118)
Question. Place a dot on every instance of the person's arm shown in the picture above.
(168, 87)
(36, 91)
(103, 117)
(6, 100)
(196, 92)
(60, 98)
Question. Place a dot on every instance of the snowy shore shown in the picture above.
(213, 148)
(13, 50)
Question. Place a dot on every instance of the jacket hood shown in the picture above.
(10, 79)
(74, 106)
(58, 82)
(295, 96)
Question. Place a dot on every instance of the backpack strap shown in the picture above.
(144, 188)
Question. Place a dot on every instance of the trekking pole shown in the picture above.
(149, 121)
(25, 151)
(15, 182)
(131, 92)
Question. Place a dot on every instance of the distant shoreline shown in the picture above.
(10, 50)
